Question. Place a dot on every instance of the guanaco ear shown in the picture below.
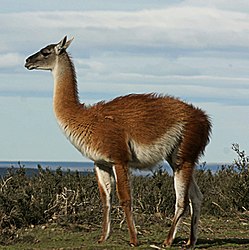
(63, 45)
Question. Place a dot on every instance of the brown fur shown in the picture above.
(137, 130)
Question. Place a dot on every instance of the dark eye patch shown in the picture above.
(45, 52)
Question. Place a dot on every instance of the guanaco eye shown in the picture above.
(45, 52)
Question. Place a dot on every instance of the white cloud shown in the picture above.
(231, 5)
(179, 26)
(193, 78)
(10, 60)
(169, 46)
(195, 49)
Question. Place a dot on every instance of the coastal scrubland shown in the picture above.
(62, 210)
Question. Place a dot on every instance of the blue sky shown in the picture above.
(196, 50)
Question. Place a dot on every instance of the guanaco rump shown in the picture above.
(132, 131)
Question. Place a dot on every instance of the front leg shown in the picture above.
(121, 174)
(105, 180)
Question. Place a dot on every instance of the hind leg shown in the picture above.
(195, 196)
(182, 181)
(121, 174)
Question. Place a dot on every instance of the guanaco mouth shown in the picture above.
(29, 66)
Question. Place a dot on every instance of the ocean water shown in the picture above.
(72, 166)
(87, 167)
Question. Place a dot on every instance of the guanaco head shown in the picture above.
(46, 58)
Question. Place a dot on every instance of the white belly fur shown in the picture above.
(149, 155)
(145, 155)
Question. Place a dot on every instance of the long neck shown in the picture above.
(66, 101)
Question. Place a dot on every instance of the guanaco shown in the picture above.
(132, 131)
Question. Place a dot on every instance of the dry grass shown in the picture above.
(60, 200)
(215, 233)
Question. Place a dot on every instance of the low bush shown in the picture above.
(70, 197)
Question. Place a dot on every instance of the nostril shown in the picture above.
(27, 60)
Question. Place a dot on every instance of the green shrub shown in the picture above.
(71, 197)
(226, 191)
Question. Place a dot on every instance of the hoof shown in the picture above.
(190, 245)
(101, 240)
(166, 244)
(133, 244)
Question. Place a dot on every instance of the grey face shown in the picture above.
(45, 59)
